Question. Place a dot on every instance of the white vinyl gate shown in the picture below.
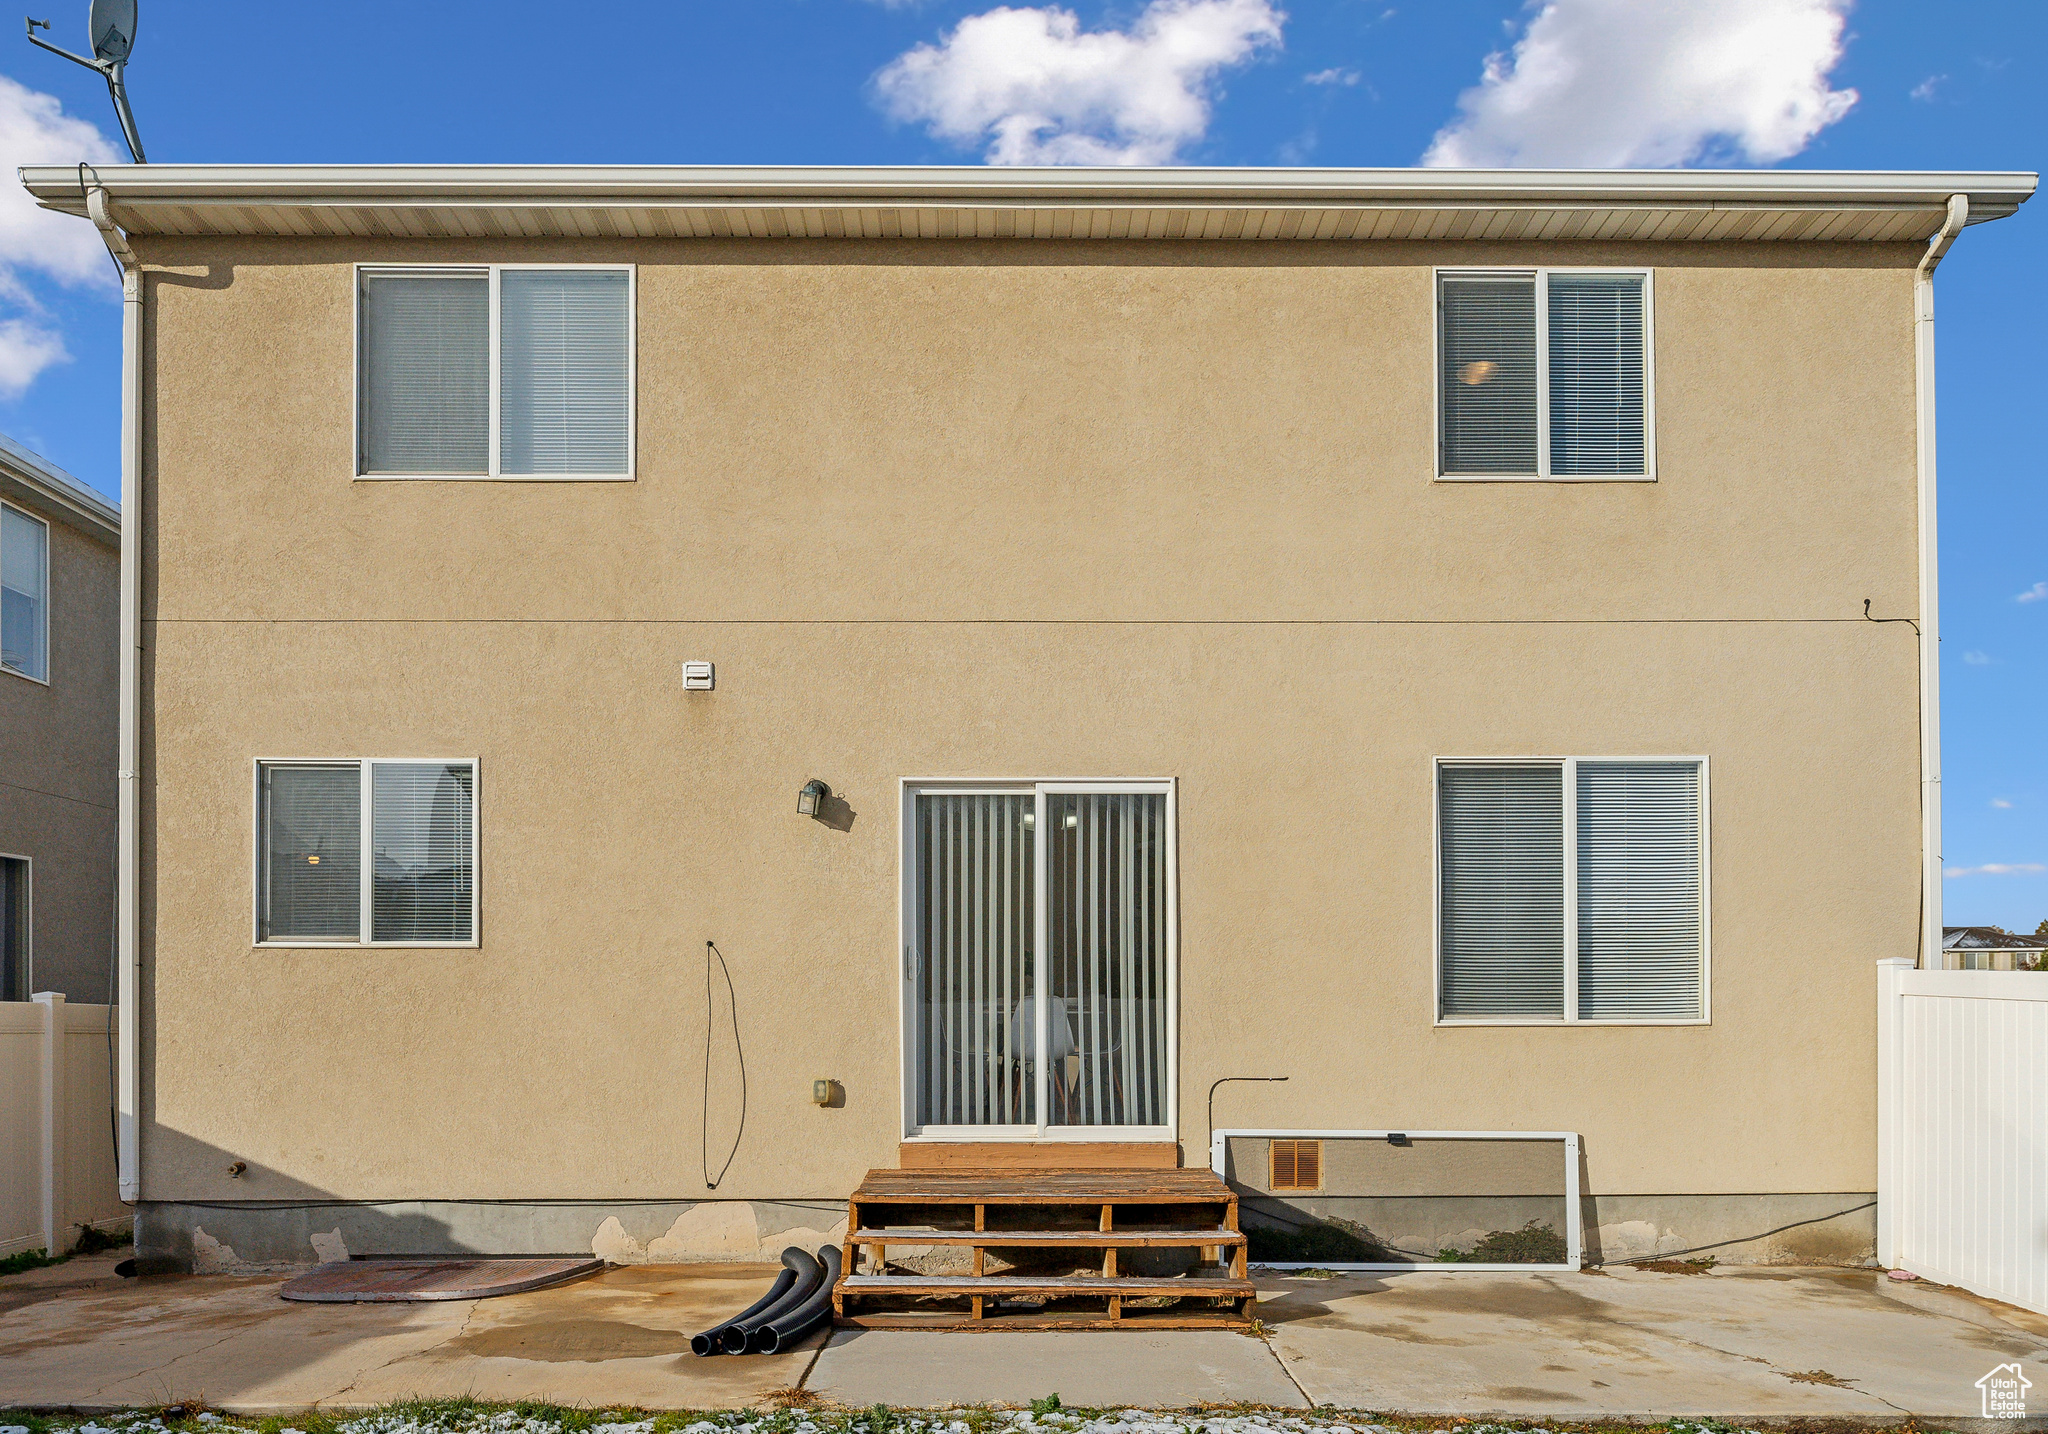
(1962, 1185)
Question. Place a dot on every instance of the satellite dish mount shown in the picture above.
(112, 23)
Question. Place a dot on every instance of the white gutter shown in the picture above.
(1930, 607)
(1992, 193)
(127, 887)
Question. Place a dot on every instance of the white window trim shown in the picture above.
(28, 925)
(48, 657)
(902, 962)
(495, 271)
(367, 871)
(1571, 1017)
(1542, 277)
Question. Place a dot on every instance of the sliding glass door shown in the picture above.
(1038, 960)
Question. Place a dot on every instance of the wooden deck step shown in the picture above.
(1044, 1187)
(1128, 1286)
(1127, 1208)
(1053, 1239)
(1033, 1320)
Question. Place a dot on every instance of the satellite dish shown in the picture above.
(113, 30)
(112, 26)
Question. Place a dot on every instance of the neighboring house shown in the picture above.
(1402, 631)
(1989, 948)
(60, 580)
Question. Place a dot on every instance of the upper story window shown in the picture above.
(24, 594)
(1544, 373)
(366, 853)
(495, 371)
(1572, 889)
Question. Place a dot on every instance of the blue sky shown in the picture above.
(1327, 82)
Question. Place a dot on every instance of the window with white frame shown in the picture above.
(1544, 373)
(1571, 889)
(366, 853)
(494, 371)
(24, 594)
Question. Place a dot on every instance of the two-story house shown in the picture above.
(659, 690)
(60, 578)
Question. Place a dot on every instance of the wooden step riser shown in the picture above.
(1051, 1239)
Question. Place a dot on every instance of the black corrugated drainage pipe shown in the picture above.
(711, 1341)
(786, 1331)
(737, 1337)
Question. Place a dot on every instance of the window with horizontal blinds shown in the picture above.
(564, 371)
(416, 853)
(24, 594)
(1603, 860)
(425, 385)
(1598, 378)
(1640, 918)
(1487, 347)
(310, 853)
(424, 873)
(1501, 907)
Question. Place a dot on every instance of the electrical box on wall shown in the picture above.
(699, 677)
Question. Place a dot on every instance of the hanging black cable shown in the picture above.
(710, 1013)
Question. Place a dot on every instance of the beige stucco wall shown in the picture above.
(1031, 509)
(57, 762)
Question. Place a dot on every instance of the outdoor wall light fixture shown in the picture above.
(812, 797)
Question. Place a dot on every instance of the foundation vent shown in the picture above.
(1296, 1165)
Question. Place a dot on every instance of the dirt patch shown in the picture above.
(1818, 1376)
(571, 1341)
(1539, 1298)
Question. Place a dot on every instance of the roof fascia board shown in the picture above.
(37, 483)
(1992, 194)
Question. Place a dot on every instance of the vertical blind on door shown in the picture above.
(976, 915)
(426, 382)
(1500, 415)
(1106, 955)
(563, 371)
(423, 879)
(1639, 891)
(311, 850)
(1637, 903)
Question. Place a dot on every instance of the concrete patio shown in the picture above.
(1749, 1343)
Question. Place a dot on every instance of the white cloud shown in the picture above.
(1332, 76)
(1924, 91)
(1998, 868)
(1031, 87)
(1616, 83)
(35, 130)
(1977, 659)
(2001, 803)
(2033, 594)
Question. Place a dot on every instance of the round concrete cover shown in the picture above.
(400, 1281)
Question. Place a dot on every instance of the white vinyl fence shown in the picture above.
(56, 1146)
(1962, 1184)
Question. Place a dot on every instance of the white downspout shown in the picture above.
(1930, 608)
(127, 890)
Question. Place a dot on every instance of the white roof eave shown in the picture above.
(401, 199)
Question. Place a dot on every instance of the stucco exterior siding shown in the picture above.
(57, 768)
(983, 509)
(625, 822)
